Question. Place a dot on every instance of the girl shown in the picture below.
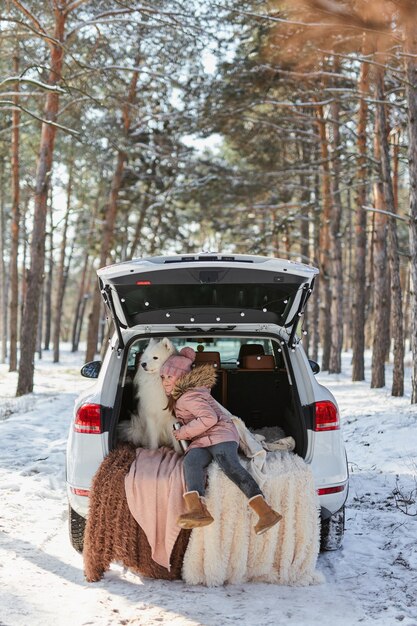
(212, 435)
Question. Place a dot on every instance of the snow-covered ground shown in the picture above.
(372, 580)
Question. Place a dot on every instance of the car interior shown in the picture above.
(252, 380)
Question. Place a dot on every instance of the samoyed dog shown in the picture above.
(151, 426)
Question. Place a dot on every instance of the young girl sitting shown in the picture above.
(212, 435)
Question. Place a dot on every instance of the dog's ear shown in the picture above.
(167, 344)
(152, 341)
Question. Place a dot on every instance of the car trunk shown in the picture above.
(214, 294)
(265, 399)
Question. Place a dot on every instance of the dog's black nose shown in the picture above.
(143, 365)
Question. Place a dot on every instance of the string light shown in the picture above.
(167, 314)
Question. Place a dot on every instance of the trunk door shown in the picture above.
(207, 289)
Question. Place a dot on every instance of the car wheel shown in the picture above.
(332, 531)
(76, 529)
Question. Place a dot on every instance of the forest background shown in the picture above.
(284, 129)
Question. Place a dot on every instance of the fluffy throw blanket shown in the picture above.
(154, 489)
(228, 551)
(112, 533)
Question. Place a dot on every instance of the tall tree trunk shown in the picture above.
(49, 278)
(324, 284)
(411, 91)
(358, 311)
(60, 287)
(42, 182)
(305, 231)
(14, 250)
(4, 286)
(85, 283)
(336, 267)
(397, 322)
(82, 297)
(24, 270)
(140, 223)
(315, 304)
(111, 212)
(40, 329)
(348, 284)
(381, 310)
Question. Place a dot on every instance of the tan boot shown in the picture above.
(267, 516)
(197, 514)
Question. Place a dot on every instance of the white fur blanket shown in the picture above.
(229, 551)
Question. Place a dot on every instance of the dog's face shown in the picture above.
(155, 355)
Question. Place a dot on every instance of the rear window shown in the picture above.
(229, 348)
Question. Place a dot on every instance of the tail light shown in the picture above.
(324, 491)
(80, 492)
(88, 419)
(326, 416)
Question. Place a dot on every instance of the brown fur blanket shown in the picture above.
(112, 534)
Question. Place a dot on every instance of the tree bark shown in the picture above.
(315, 298)
(411, 92)
(61, 272)
(381, 310)
(42, 182)
(305, 233)
(49, 279)
(324, 283)
(397, 322)
(111, 212)
(14, 250)
(336, 266)
(349, 286)
(359, 302)
(4, 286)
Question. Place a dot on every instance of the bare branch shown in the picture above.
(32, 81)
(29, 15)
(9, 104)
(74, 5)
(37, 33)
(374, 210)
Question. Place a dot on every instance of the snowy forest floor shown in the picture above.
(371, 580)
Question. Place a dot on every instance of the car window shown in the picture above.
(229, 347)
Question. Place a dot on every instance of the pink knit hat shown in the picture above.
(178, 364)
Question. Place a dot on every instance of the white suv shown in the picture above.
(240, 312)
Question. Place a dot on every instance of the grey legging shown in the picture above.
(197, 460)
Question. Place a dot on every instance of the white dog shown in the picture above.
(151, 426)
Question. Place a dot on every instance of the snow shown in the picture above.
(371, 580)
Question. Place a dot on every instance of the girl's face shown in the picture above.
(168, 383)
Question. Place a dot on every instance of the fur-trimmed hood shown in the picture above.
(200, 376)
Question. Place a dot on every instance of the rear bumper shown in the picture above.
(330, 503)
(77, 502)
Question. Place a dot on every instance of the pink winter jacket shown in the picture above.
(205, 421)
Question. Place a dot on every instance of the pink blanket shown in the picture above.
(154, 488)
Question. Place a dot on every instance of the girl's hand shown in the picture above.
(177, 434)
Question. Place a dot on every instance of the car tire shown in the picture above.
(332, 531)
(76, 529)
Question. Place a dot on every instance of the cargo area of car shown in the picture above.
(253, 383)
